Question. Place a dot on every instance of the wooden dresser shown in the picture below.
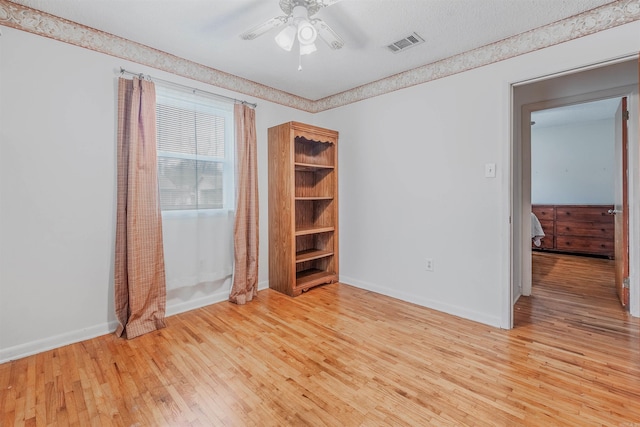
(583, 229)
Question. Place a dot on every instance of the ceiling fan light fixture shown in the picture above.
(298, 23)
(306, 49)
(307, 33)
(287, 37)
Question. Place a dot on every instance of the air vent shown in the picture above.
(405, 43)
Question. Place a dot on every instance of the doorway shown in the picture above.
(573, 182)
(616, 79)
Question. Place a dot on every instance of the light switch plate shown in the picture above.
(490, 170)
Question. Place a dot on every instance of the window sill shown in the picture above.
(194, 213)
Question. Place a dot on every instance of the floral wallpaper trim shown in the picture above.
(607, 16)
(46, 25)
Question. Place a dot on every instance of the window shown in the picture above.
(195, 151)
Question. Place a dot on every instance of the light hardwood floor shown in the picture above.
(341, 356)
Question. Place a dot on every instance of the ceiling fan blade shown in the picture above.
(259, 30)
(327, 34)
(312, 6)
(326, 3)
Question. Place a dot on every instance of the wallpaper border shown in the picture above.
(605, 17)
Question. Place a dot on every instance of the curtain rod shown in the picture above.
(194, 90)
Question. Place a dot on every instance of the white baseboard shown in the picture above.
(49, 343)
(425, 302)
(516, 295)
(72, 337)
(192, 304)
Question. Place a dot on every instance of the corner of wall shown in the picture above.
(459, 311)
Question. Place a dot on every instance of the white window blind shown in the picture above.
(195, 151)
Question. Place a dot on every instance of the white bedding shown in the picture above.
(536, 230)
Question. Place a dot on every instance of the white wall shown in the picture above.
(411, 185)
(573, 163)
(58, 191)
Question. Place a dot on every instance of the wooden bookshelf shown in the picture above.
(303, 207)
(307, 167)
(311, 254)
(313, 230)
(315, 198)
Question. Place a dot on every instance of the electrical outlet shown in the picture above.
(429, 264)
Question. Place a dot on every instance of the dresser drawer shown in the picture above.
(547, 226)
(546, 242)
(602, 230)
(543, 212)
(585, 244)
(593, 214)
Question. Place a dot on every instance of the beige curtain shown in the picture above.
(245, 275)
(140, 291)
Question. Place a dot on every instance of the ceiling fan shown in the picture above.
(299, 25)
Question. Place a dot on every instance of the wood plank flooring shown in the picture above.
(341, 356)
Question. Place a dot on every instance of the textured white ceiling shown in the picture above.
(207, 32)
